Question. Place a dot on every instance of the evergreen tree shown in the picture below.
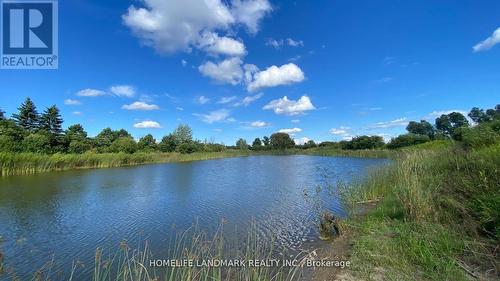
(27, 118)
(51, 121)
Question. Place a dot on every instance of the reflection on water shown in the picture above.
(66, 215)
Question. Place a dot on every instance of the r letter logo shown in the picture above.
(29, 34)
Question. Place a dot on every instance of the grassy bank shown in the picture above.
(32, 163)
(438, 217)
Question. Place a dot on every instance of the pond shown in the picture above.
(64, 216)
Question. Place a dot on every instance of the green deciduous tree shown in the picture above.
(187, 147)
(241, 144)
(257, 144)
(494, 114)
(123, 144)
(147, 143)
(447, 124)
(183, 134)
(478, 115)
(407, 140)
(11, 136)
(76, 139)
(281, 141)
(27, 116)
(421, 128)
(309, 144)
(107, 136)
(76, 132)
(168, 143)
(363, 142)
(265, 140)
(39, 142)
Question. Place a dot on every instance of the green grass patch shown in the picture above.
(438, 211)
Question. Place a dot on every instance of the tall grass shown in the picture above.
(438, 217)
(130, 264)
(31, 163)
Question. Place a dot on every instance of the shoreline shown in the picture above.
(17, 164)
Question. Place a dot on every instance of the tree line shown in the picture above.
(30, 131)
(447, 126)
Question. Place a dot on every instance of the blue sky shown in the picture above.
(225, 67)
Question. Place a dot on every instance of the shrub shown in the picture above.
(407, 140)
(37, 143)
(168, 143)
(78, 146)
(363, 142)
(123, 144)
(186, 148)
(479, 136)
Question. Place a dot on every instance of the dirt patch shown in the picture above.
(340, 249)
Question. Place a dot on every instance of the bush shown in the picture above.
(123, 144)
(407, 140)
(37, 143)
(78, 146)
(479, 136)
(214, 147)
(168, 144)
(186, 148)
(363, 142)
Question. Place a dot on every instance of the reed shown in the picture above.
(437, 212)
(126, 263)
(33, 163)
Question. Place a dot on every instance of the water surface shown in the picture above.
(66, 215)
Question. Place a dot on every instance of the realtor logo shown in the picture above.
(29, 34)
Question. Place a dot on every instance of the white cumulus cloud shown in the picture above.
(291, 131)
(179, 25)
(275, 76)
(227, 71)
(139, 105)
(72, 102)
(301, 141)
(213, 44)
(341, 131)
(488, 43)
(123, 91)
(148, 124)
(90, 93)
(290, 107)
